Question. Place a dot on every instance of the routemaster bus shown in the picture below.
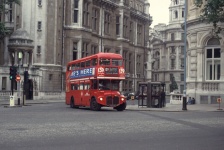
(94, 82)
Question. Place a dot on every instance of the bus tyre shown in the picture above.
(72, 103)
(121, 107)
(94, 105)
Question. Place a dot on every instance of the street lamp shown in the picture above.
(185, 51)
(18, 85)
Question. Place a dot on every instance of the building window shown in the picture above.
(131, 32)
(117, 51)
(106, 23)
(182, 63)
(176, 2)
(50, 77)
(182, 13)
(130, 69)
(125, 59)
(10, 13)
(213, 63)
(4, 83)
(172, 63)
(76, 10)
(125, 27)
(117, 25)
(139, 33)
(182, 50)
(84, 49)
(38, 49)
(106, 50)
(39, 2)
(176, 14)
(86, 13)
(172, 36)
(94, 49)
(181, 77)
(39, 25)
(172, 49)
(182, 36)
(95, 14)
(75, 51)
(138, 63)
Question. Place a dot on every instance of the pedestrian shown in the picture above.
(189, 100)
(163, 98)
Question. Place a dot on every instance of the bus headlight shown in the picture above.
(122, 99)
(101, 98)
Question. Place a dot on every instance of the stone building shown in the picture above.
(118, 26)
(46, 34)
(167, 45)
(205, 59)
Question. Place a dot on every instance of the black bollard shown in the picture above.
(184, 103)
(18, 101)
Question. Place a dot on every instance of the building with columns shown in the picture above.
(46, 34)
(205, 59)
(167, 45)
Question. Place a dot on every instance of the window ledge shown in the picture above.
(39, 30)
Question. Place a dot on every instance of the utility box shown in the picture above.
(150, 94)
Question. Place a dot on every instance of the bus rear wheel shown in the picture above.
(121, 107)
(94, 105)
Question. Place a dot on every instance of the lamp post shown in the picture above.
(18, 85)
(185, 51)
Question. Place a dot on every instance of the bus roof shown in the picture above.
(99, 55)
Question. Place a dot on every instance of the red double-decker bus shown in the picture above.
(94, 82)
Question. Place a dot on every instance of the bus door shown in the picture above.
(85, 93)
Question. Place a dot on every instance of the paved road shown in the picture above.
(55, 126)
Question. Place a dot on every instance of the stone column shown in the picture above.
(177, 58)
(7, 58)
(200, 66)
(222, 63)
(16, 58)
(25, 59)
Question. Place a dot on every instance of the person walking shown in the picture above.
(163, 98)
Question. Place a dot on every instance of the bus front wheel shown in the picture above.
(121, 107)
(94, 105)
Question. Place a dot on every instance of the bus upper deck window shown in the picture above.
(104, 61)
(88, 63)
(116, 62)
(77, 66)
(73, 67)
(94, 62)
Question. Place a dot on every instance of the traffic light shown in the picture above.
(13, 73)
(26, 76)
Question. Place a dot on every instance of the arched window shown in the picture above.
(176, 2)
(176, 14)
(213, 59)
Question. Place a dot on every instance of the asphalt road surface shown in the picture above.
(55, 126)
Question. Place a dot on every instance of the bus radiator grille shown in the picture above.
(112, 101)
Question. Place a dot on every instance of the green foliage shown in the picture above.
(212, 12)
(173, 84)
(3, 29)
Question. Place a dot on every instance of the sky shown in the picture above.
(159, 10)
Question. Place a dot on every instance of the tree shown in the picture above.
(212, 12)
(3, 30)
(173, 85)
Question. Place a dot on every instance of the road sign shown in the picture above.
(219, 100)
(18, 78)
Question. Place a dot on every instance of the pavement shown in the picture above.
(134, 107)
